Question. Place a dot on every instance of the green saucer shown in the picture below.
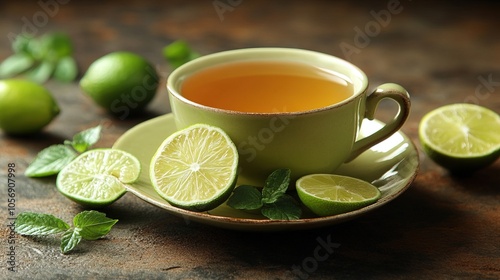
(391, 166)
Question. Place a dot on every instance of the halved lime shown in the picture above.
(96, 178)
(461, 137)
(195, 168)
(328, 194)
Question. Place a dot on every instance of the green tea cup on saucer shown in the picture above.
(283, 107)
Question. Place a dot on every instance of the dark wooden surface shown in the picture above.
(443, 227)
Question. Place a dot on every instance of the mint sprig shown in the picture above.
(50, 161)
(29, 223)
(88, 225)
(41, 58)
(83, 140)
(54, 158)
(276, 185)
(284, 208)
(178, 53)
(273, 202)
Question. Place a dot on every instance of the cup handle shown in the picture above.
(400, 96)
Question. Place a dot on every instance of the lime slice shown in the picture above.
(328, 194)
(96, 178)
(461, 137)
(195, 168)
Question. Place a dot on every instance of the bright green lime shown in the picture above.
(121, 82)
(25, 106)
(195, 168)
(461, 137)
(96, 178)
(327, 194)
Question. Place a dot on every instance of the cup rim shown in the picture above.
(193, 66)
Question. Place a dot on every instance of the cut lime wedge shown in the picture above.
(195, 168)
(327, 194)
(96, 178)
(461, 137)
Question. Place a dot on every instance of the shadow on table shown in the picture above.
(484, 182)
(413, 232)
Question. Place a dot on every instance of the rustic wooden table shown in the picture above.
(442, 227)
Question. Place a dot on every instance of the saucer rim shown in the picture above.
(249, 224)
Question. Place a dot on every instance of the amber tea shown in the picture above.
(266, 87)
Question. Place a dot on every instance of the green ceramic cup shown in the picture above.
(316, 141)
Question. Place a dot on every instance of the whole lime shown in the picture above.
(25, 106)
(121, 82)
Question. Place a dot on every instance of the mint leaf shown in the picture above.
(50, 161)
(276, 185)
(41, 58)
(29, 223)
(69, 240)
(42, 72)
(245, 198)
(53, 159)
(274, 203)
(15, 64)
(178, 53)
(88, 225)
(55, 46)
(82, 141)
(22, 44)
(93, 224)
(284, 208)
(66, 69)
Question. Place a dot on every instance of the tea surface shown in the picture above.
(266, 87)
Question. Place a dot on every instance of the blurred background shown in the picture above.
(438, 47)
(442, 52)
